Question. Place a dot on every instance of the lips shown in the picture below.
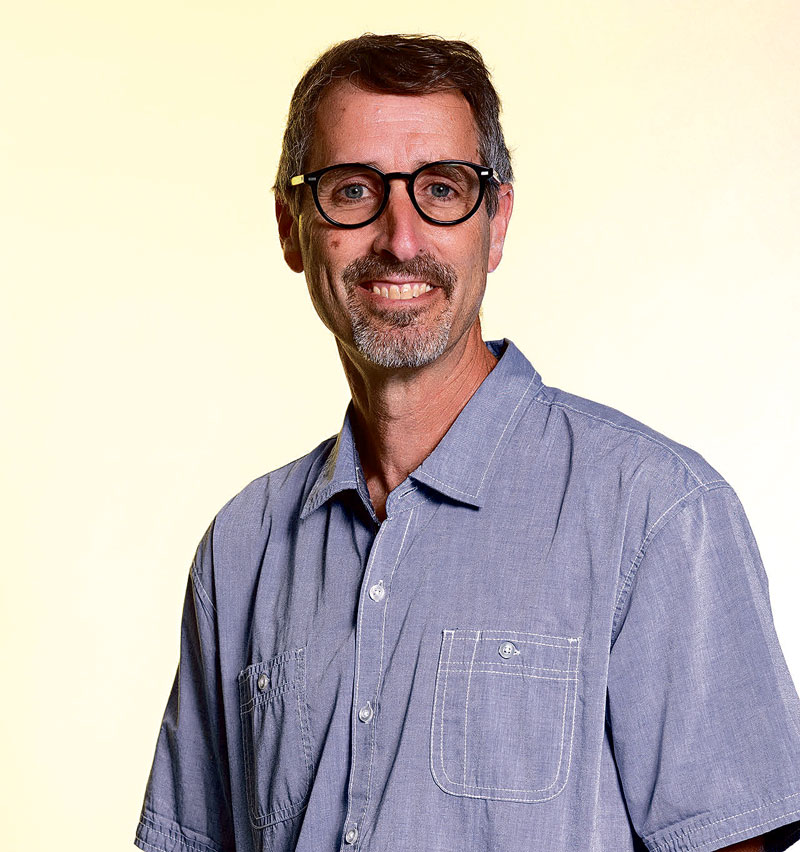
(375, 271)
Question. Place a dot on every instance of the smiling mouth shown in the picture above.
(397, 292)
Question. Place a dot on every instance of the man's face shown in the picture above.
(399, 254)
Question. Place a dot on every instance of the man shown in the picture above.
(488, 615)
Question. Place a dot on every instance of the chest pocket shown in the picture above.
(503, 714)
(276, 738)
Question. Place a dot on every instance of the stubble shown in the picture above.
(410, 336)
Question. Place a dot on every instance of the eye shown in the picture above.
(438, 191)
(441, 190)
(441, 184)
(353, 191)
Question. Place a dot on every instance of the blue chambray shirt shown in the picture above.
(559, 640)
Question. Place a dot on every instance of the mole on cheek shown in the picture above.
(335, 244)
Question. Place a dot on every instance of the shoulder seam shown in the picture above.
(202, 594)
(622, 428)
(207, 542)
(650, 534)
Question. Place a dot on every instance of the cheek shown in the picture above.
(470, 246)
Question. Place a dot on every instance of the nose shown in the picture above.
(399, 229)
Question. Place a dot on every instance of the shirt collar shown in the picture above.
(460, 464)
(341, 471)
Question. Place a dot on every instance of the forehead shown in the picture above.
(394, 132)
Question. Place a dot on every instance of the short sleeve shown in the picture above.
(187, 801)
(703, 715)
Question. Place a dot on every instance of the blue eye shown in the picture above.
(440, 190)
(354, 191)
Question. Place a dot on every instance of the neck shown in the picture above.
(401, 415)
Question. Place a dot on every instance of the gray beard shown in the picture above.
(402, 344)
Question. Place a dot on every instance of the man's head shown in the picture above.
(395, 103)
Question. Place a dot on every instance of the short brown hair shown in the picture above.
(396, 64)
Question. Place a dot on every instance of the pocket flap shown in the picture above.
(261, 682)
(507, 650)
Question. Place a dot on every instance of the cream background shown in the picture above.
(161, 355)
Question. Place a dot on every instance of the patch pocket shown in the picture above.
(503, 714)
(276, 737)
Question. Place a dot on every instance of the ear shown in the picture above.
(499, 224)
(288, 233)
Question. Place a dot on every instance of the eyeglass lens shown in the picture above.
(351, 195)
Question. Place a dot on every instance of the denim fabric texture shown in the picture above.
(559, 640)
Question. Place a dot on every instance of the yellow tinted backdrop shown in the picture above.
(158, 354)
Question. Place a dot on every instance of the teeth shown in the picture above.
(401, 291)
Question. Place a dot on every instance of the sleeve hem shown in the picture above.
(780, 819)
(155, 834)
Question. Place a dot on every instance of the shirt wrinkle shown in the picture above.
(203, 596)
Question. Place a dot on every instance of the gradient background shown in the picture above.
(162, 355)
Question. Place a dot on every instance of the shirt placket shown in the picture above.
(384, 558)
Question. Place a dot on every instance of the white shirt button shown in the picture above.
(263, 682)
(377, 592)
(365, 713)
(507, 649)
(351, 836)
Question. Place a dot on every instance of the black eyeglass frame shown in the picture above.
(485, 175)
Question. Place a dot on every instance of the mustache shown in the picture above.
(423, 267)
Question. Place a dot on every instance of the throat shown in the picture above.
(400, 417)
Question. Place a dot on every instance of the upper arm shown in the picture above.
(187, 801)
(704, 718)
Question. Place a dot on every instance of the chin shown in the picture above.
(395, 350)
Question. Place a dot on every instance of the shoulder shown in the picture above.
(613, 440)
(627, 473)
(288, 484)
(241, 528)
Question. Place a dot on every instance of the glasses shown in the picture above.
(351, 195)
